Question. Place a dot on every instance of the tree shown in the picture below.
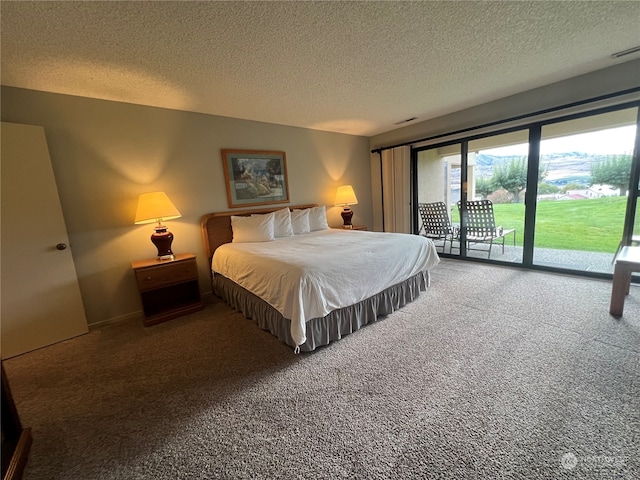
(511, 176)
(614, 170)
(274, 167)
(545, 188)
(483, 187)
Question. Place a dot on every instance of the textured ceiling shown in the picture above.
(351, 67)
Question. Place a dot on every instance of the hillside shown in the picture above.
(562, 168)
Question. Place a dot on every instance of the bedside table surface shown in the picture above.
(355, 227)
(154, 262)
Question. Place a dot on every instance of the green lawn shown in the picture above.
(593, 225)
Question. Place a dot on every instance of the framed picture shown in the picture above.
(255, 177)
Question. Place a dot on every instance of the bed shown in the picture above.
(312, 285)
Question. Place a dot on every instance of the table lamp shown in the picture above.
(345, 196)
(156, 207)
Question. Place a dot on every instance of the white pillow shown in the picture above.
(300, 221)
(258, 228)
(281, 223)
(318, 218)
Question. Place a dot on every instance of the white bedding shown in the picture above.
(308, 276)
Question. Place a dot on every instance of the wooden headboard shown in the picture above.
(216, 227)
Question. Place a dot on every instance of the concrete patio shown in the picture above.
(547, 257)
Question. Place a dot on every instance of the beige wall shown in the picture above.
(104, 154)
(602, 82)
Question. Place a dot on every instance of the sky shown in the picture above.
(614, 140)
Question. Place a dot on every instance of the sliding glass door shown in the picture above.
(494, 169)
(439, 180)
(500, 176)
(583, 193)
(563, 193)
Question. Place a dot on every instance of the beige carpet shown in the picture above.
(491, 373)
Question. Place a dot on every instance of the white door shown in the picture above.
(39, 292)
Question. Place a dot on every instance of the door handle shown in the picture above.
(61, 246)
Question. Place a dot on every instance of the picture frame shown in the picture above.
(255, 177)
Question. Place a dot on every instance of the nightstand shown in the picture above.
(168, 288)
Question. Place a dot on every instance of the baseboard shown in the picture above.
(19, 457)
(119, 319)
(207, 298)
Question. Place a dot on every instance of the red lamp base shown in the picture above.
(162, 239)
(347, 215)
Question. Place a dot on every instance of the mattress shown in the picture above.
(308, 276)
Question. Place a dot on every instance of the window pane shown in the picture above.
(439, 180)
(498, 172)
(580, 213)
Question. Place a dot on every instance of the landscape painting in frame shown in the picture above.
(255, 177)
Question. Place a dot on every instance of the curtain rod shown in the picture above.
(512, 119)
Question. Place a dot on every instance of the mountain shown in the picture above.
(562, 168)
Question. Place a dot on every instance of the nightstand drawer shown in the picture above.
(166, 274)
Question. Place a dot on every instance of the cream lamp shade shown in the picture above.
(345, 196)
(156, 207)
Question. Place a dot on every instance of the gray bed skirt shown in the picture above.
(320, 331)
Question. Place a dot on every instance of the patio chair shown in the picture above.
(481, 225)
(435, 223)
